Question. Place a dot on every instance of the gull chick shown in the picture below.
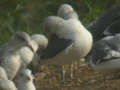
(25, 80)
(27, 53)
(106, 24)
(10, 58)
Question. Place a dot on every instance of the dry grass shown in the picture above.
(85, 78)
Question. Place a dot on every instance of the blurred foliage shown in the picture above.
(28, 15)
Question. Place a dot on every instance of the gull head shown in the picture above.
(26, 75)
(66, 11)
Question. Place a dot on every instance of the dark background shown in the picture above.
(28, 15)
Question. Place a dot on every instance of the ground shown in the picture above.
(84, 78)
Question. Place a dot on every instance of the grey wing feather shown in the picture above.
(113, 28)
(55, 46)
(98, 26)
(2, 51)
(105, 50)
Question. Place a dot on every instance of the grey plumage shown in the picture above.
(38, 42)
(106, 54)
(113, 28)
(41, 40)
(108, 20)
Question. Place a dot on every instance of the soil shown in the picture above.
(84, 78)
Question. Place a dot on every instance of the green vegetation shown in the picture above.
(28, 15)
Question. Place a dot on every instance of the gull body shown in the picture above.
(10, 58)
(106, 24)
(69, 41)
(7, 85)
(106, 54)
(18, 53)
(27, 54)
(66, 11)
(25, 81)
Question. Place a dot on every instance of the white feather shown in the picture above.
(23, 82)
(7, 85)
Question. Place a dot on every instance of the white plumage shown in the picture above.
(69, 40)
(67, 12)
(27, 54)
(38, 41)
(10, 58)
(70, 30)
(7, 85)
(19, 52)
(3, 74)
(25, 81)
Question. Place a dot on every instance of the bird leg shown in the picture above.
(63, 72)
(71, 70)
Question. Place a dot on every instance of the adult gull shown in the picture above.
(69, 40)
(3, 74)
(105, 55)
(106, 24)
